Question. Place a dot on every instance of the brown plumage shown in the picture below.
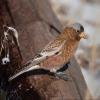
(66, 51)
(58, 52)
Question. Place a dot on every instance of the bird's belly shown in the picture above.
(59, 60)
(52, 62)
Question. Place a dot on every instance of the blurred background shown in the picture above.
(87, 13)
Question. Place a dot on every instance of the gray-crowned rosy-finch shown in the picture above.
(9, 36)
(57, 53)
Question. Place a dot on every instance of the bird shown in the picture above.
(10, 35)
(56, 54)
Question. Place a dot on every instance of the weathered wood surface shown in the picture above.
(37, 24)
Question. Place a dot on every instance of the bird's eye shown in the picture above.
(77, 31)
(5, 62)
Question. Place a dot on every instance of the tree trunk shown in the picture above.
(37, 25)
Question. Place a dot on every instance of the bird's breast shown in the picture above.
(69, 50)
(56, 61)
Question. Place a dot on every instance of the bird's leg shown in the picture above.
(59, 73)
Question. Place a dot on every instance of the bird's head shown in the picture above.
(79, 31)
(5, 27)
(75, 32)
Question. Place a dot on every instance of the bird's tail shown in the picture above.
(27, 69)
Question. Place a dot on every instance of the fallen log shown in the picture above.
(37, 25)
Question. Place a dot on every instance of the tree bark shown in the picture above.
(37, 25)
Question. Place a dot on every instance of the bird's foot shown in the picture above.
(62, 75)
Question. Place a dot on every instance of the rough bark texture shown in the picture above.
(37, 25)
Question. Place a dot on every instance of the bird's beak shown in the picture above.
(83, 35)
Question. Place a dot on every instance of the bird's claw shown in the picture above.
(61, 75)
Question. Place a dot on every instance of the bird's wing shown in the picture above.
(33, 64)
(45, 53)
